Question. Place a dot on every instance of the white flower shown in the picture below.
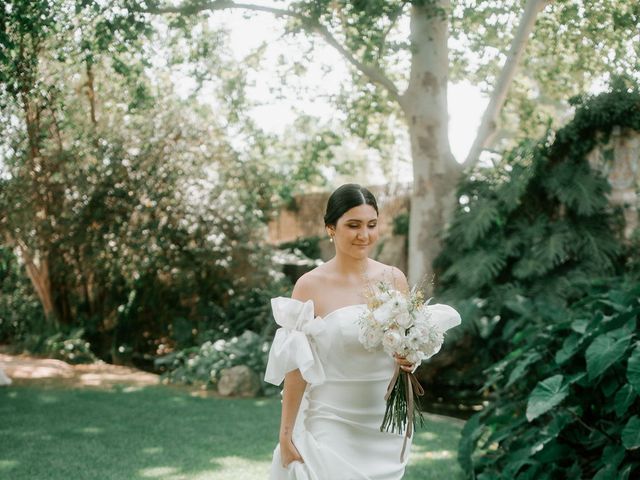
(404, 319)
(384, 313)
(432, 342)
(393, 341)
(414, 338)
(370, 337)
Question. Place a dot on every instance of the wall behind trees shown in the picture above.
(303, 216)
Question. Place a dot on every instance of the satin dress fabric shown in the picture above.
(337, 429)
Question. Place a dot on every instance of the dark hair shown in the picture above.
(345, 198)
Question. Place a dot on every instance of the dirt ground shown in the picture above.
(27, 370)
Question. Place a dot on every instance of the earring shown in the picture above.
(331, 238)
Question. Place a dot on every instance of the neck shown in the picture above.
(350, 266)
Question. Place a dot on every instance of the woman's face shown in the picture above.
(356, 231)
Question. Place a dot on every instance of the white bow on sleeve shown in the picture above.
(293, 346)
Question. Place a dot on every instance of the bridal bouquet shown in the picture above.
(404, 327)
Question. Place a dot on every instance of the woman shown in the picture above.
(333, 398)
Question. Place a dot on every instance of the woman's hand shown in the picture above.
(289, 453)
(404, 364)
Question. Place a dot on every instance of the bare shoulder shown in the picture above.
(391, 274)
(308, 284)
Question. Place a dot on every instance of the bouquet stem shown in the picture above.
(402, 397)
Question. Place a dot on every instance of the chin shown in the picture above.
(362, 252)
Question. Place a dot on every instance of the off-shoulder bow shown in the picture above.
(293, 345)
(443, 316)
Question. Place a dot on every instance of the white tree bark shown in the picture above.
(488, 125)
(435, 170)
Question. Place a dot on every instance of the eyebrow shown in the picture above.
(358, 220)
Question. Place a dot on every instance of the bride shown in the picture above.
(333, 397)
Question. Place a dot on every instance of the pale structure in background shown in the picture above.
(619, 161)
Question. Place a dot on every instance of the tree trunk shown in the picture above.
(38, 273)
(435, 171)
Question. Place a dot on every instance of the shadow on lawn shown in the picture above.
(157, 433)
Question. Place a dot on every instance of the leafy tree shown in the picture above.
(407, 74)
(134, 217)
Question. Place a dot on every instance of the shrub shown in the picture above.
(567, 396)
(401, 224)
(71, 348)
(308, 246)
(202, 365)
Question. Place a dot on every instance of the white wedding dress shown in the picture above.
(337, 430)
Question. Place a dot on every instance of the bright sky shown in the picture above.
(466, 102)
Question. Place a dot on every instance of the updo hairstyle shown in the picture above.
(344, 198)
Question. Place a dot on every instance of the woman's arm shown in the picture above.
(294, 387)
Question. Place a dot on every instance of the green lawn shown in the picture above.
(163, 433)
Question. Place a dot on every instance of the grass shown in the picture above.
(162, 433)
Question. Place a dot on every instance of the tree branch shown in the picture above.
(393, 21)
(373, 72)
(488, 128)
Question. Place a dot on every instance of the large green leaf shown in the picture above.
(633, 368)
(631, 433)
(522, 367)
(623, 400)
(570, 347)
(611, 458)
(603, 352)
(546, 395)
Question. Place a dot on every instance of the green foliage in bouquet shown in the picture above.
(567, 397)
(536, 225)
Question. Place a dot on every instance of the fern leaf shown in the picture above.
(482, 215)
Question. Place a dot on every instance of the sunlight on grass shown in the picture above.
(239, 468)
(157, 472)
(130, 389)
(152, 450)
(426, 436)
(7, 464)
(48, 398)
(91, 430)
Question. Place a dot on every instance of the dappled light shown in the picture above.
(92, 430)
(159, 472)
(24, 369)
(7, 464)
